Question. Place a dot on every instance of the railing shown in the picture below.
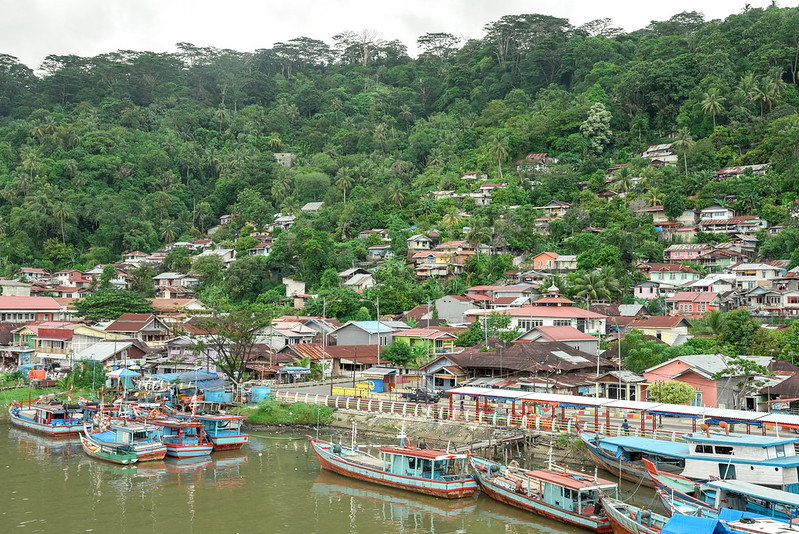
(572, 424)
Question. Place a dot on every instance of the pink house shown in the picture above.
(688, 252)
(697, 371)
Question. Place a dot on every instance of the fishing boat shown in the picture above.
(224, 431)
(114, 453)
(689, 497)
(54, 419)
(766, 460)
(141, 439)
(183, 439)
(418, 469)
(629, 519)
(567, 496)
(682, 524)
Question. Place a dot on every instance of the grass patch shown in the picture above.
(22, 394)
(271, 412)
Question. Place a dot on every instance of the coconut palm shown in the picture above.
(624, 183)
(712, 104)
(61, 212)
(479, 233)
(684, 142)
(396, 194)
(655, 196)
(274, 142)
(221, 115)
(451, 219)
(344, 181)
(280, 188)
(593, 286)
(498, 150)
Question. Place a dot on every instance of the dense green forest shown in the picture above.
(130, 150)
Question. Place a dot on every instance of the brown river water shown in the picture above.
(274, 484)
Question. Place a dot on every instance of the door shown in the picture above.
(727, 471)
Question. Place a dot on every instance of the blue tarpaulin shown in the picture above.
(680, 524)
(199, 378)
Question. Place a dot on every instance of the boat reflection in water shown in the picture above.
(39, 447)
(397, 505)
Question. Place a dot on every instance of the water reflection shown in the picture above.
(37, 447)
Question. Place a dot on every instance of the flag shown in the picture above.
(69, 395)
(194, 404)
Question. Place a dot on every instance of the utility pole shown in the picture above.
(377, 308)
(324, 337)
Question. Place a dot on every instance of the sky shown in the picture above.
(32, 29)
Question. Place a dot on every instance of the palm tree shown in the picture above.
(684, 142)
(591, 286)
(275, 143)
(498, 150)
(335, 107)
(168, 230)
(396, 194)
(280, 189)
(479, 233)
(61, 212)
(380, 136)
(221, 115)
(655, 196)
(624, 183)
(711, 104)
(451, 219)
(344, 181)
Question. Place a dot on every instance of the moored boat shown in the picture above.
(421, 470)
(142, 439)
(54, 419)
(114, 453)
(567, 496)
(629, 519)
(224, 431)
(681, 524)
(183, 439)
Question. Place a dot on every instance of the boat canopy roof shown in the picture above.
(755, 490)
(648, 445)
(426, 454)
(680, 524)
(575, 482)
(174, 423)
(739, 439)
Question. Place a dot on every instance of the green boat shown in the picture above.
(117, 454)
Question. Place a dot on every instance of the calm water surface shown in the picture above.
(274, 484)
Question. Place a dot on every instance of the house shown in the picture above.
(145, 327)
(382, 233)
(565, 334)
(284, 333)
(58, 341)
(70, 278)
(698, 371)
(668, 273)
(378, 252)
(293, 287)
(545, 261)
(284, 222)
(715, 212)
(528, 317)
(170, 310)
(418, 242)
(34, 273)
(496, 291)
(565, 263)
(227, 255)
(110, 353)
(364, 333)
(727, 172)
(286, 159)
(225, 219)
(746, 225)
(555, 208)
(263, 248)
(621, 385)
(335, 360)
(14, 288)
(648, 290)
(434, 340)
(672, 330)
(693, 303)
(535, 162)
(657, 212)
(359, 282)
(21, 309)
(136, 257)
(453, 308)
(750, 275)
(685, 252)
(474, 176)
(662, 153)
(312, 207)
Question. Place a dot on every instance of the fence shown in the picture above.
(572, 424)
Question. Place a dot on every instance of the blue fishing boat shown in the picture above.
(224, 431)
(731, 523)
(54, 419)
(766, 460)
(626, 518)
(142, 439)
(183, 439)
(428, 471)
(567, 496)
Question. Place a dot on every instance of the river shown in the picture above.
(274, 484)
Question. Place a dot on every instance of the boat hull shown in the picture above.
(188, 451)
(437, 488)
(624, 523)
(625, 470)
(229, 443)
(501, 494)
(53, 431)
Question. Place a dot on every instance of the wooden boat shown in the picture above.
(142, 439)
(183, 439)
(765, 460)
(682, 524)
(54, 420)
(421, 470)
(117, 454)
(688, 497)
(629, 519)
(567, 496)
(677, 505)
(224, 431)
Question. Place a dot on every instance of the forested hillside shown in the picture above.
(132, 149)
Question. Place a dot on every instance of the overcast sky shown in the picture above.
(32, 29)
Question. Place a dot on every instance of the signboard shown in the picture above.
(372, 384)
(780, 405)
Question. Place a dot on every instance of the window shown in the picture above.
(562, 322)
(704, 449)
(724, 450)
(528, 324)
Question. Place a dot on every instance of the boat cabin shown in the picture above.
(569, 491)
(424, 463)
(183, 433)
(52, 415)
(740, 446)
(130, 433)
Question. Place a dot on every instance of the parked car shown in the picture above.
(422, 396)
